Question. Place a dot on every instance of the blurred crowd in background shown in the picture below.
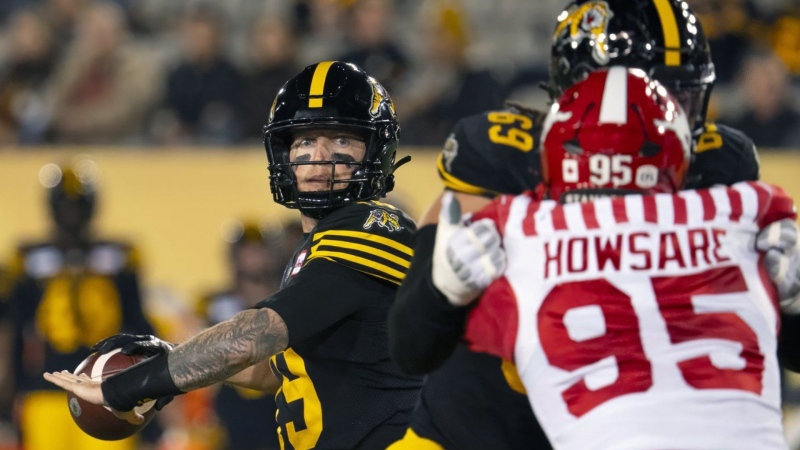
(152, 72)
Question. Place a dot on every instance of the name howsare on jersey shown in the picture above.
(642, 312)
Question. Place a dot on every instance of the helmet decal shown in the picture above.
(272, 108)
(379, 96)
(318, 84)
(672, 39)
(588, 21)
(450, 151)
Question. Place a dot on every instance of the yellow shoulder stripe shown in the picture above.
(361, 261)
(403, 262)
(454, 183)
(367, 237)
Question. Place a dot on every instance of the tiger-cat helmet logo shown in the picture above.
(588, 21)
(379, 95)
(384, 219)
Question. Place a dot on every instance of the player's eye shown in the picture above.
(302, 142)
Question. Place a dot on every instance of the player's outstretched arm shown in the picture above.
(427, 318)
(212, 356)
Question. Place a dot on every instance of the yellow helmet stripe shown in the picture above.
(318, 84)
(672, 39)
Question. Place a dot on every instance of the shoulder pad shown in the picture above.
(723, 155)
(110, 257)
(38, 261)
(492, 153)
(372, 237)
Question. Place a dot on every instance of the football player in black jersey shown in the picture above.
(321, 340)
(475, 401)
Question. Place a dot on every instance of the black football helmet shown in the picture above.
(333, 94)
(71, 193)
(661, 37)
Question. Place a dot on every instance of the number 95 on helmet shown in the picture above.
(614, 133)
(333, 95)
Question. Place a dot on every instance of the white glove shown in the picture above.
(779, 243)
(466, 258)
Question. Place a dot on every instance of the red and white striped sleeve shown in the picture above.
(497, 212)
(765, 203)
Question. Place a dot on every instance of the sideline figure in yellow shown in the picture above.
(66, 293)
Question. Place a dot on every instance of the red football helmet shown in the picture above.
(613, 133)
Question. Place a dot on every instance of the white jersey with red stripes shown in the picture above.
(640, 322)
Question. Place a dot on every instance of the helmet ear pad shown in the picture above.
(348, 98)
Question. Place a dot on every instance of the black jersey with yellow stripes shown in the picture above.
(339, 387)
(492, 153)
(723, 155)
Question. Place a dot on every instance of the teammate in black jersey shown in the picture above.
(475, 401)
(321, 340)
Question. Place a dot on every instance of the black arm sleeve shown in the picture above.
(789, 343)
(324, 293)
(423, 327)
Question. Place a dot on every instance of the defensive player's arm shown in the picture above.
(424, 328)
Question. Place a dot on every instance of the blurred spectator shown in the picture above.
(370, 29)
(446, 87)
(23, 77)
(768, 114)
(204, 93)
(63, 17)
(272, 53)
(67, 292)
(729, 26)
(785, 38)
(106, 86)
(255, 257)
(319, 22)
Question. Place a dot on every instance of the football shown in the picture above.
(96, 420)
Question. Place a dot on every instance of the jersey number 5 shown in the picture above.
(299, 408)
(511, 136)
(741, 368)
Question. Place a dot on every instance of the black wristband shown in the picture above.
(138, 384)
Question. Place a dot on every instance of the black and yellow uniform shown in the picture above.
(60, 304)
(476, 401)
(339, 387)
(723, 155)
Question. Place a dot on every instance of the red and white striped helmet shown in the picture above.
(615, 132)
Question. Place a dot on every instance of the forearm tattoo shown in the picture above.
(227, 348)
